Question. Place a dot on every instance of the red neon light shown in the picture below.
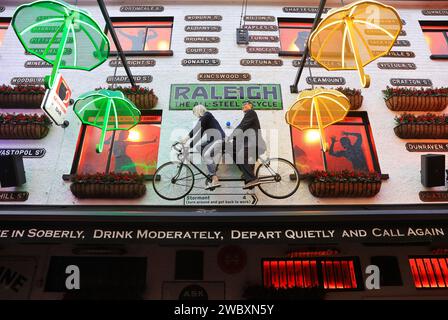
(431, 272)
(308, 273)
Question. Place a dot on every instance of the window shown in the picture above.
(134, 151)
(436, 35)
(326, 273)
(353, 148)
(4, 23)
(429, 272)
(143, 36)
(293, 35)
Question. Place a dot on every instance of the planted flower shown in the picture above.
(21, 97)
(354, 96)
(108, 185)
(24, 126)
(143, 98)
(427, 126)
(416, 99)
(336, 184)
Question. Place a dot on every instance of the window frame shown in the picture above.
(149, 53)
(283, 53)
(443, 29)
(4, 20)
(368, 129)
(81, 137)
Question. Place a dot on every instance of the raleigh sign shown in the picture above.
(225, 96)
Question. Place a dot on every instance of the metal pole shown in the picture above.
(294, 88)
(116, 42)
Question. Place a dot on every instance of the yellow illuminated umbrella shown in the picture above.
(351, 37)
(318, 109)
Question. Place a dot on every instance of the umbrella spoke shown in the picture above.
(89, 103)
(40, 23)
(328, 111)
(75, 54)
(52, 39)
(344, 37)
(335, 101)
(115, 112)
(328, 38)
(363, 41)
(375, 26)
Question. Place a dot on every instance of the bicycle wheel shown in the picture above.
(173, 180)
(286, 178)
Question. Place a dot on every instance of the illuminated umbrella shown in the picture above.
(318, 109)
(351, 37)
(107, 110)
(61, 34)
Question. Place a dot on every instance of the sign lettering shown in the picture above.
(27, 80)
(202, 28)
(203, 18)
(398, 54)
(433, 196)
(26, 153)
(303, 10)
(224, 77)
(262, 62)
(200, 62)
(260, 27)
(125, 79)
(325, 80)
(225, 96)
(397, 65)
(37, 64)
(134, 63)
(201, 39)
(260, 18)
(380, 42)
(262, 49)
(201, 50)
(443, 12)
(253, 38)
(411, 82)
(13, 196)
(426, 147)
(141, 8)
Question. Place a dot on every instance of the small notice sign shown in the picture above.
(220, 199)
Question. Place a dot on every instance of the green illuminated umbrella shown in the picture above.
(61, 34)
(107, 110)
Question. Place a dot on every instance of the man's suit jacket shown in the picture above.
(250, 122)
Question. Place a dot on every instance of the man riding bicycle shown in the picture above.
(248, 144)
(207, 126)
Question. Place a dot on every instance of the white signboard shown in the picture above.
(16, 277)
(57, 100)
(220, 199)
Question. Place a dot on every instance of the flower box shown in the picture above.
(427, 126)
(108, 186)
(21, 97)
(354, 96)
(24, 126)
(408, 99)
(143, 98)
(344, 184)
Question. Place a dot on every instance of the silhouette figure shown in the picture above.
(352, 152)
(138, 40)
(302, 38)
(122, 160)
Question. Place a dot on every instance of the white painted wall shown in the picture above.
(44, 176)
